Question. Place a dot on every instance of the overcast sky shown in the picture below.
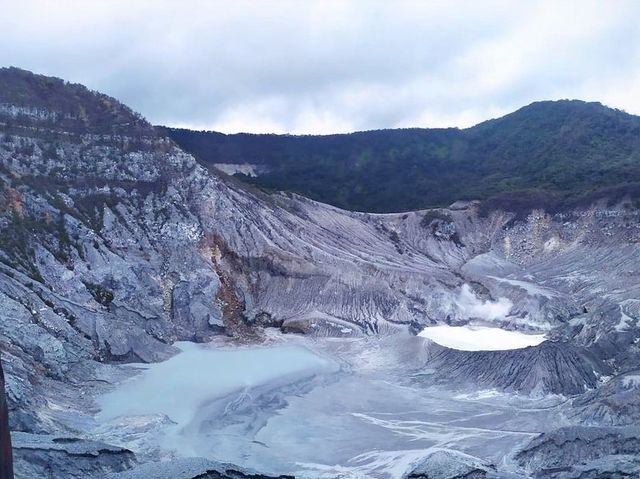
(320, 66)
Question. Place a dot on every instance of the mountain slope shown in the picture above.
(563, 150)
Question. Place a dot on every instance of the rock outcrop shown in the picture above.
(615, 403)
(582, 452)
(447, 464)
(52, 457)
(191, 468)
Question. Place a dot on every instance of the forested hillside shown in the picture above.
(552, 153)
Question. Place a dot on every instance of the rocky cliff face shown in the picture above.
(114, 243)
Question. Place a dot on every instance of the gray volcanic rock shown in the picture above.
(190, 468)
(46, 456)
(446, 464)
(615, 403)
(550, 367)
(114, 244)
(559, 452)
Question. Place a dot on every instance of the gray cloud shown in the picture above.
(328, 66)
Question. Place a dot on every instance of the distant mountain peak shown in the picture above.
(556, 110)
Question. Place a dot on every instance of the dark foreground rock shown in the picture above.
(190, 468)
(6, 466)
(612, 467)
(584, 452)
(46, 456)
(619, 466)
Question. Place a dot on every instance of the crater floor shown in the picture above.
(372, 410)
